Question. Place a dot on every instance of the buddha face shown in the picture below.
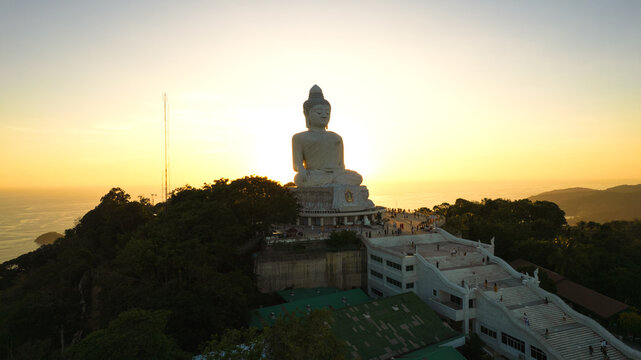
(318, 117)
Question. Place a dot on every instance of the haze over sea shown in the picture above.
(27, 214)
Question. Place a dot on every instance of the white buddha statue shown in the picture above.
(318, 153)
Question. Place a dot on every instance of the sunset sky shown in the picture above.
(421, 91)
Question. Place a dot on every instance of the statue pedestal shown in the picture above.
(334, 198)
(335, 204)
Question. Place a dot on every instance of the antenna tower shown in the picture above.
(166, 178)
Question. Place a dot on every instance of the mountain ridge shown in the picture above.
(622, 202)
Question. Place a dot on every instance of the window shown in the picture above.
(376, 258)
(457, 300)
(470, 303)
(537, 353)
(513, 342)
(409, 267)
(434, 292)
(488, 332)
(393, 264)
(376, 292)
(394, 282)
(376, 273)
(409, 285)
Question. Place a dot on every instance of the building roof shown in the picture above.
(434, 352)
(389, 327)
(268, 315)
(588, 299)
(519, 263)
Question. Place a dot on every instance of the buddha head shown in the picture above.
(316, 109)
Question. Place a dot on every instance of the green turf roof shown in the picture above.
(301, 293)
(434, 353)
(389, 327)
(267, 316)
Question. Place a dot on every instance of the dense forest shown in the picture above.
(604, 257)
(132, 280)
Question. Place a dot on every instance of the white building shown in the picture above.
(478, 292)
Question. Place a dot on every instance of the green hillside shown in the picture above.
(581, 204)
(137, 281)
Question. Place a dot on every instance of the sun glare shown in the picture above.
(415, 98)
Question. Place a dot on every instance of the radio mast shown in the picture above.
(166, 178)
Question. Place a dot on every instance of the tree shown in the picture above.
(441, 209)
(134, 334)
(237, 344)
(304, 338)
(514, 224)
(106, 228)
(194, 258)
(343, 239)
(116, 195)
(307, 337)
(630, 323)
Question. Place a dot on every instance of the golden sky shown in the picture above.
(421, 91)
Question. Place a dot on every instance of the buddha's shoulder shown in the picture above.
(300, 134)
(314, 135)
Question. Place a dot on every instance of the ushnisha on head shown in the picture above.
(316, 98)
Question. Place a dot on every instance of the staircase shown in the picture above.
(570, 338)
(573, 344)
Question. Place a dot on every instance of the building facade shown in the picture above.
(477, 292)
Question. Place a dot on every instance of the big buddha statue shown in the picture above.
(318, 153)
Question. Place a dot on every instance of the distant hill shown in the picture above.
(581, 204)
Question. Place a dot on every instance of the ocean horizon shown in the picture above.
(26, 214)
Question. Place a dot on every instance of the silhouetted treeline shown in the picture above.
(133, 280)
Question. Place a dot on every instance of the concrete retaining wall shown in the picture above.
(342, 269)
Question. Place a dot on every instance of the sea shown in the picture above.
(26, 214)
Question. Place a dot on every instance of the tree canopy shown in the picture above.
(186, 262)
(290, 338)
(134, 334)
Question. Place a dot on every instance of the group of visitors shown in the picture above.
(604, 349)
